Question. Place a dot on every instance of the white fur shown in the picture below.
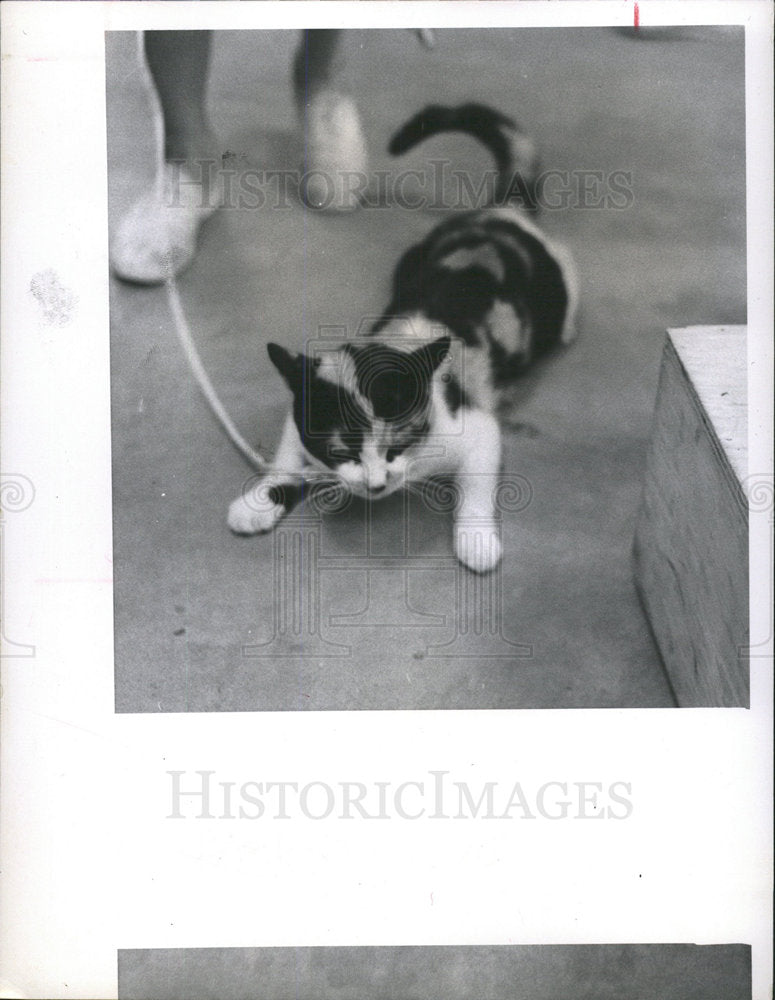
(253, 512)
(245, 518)
(465, 443)
(508, 329)
(484, 256)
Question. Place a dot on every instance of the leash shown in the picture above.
(186, 340)
(182, 329)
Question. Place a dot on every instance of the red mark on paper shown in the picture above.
(636, 16)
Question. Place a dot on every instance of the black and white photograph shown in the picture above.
(386, 455)
(397, 422)
(540, 972)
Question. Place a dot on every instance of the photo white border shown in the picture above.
(90, 864)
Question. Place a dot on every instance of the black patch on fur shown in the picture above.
(410, 284)
(496, 131)
(478, 120)
(454, 394)
(290, 366)
(396, 383)
(457, 299)
(389, 379)
(287, 495)
(505, 366)
(544, 296)
(460, 298)
(321, 410)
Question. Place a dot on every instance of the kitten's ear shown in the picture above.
(431, 355)
(290, 366)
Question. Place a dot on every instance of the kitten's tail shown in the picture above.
(514, 152)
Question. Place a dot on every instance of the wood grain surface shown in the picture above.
(691, 547)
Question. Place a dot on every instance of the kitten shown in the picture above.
(483, 296)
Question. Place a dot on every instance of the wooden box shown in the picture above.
(691, 543)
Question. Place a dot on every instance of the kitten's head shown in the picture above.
(360, 410)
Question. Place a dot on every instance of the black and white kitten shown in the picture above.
(479, 299)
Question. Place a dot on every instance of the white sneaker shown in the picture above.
(156, 239)
(335, 154)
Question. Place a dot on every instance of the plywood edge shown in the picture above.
(732, 476)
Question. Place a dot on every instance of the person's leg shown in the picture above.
(157, 237)
(179, 62)
(335, 158)
(315, 63)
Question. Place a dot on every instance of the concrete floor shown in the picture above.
(397, 625)
(548, 972)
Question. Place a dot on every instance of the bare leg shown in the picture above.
(179, 62)
(335, 158)
(314, 64)
(157, 237)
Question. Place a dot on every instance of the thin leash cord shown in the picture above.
(205, 385)
(182, 328)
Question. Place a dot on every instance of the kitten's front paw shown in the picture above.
(251, 515)
(478, 547)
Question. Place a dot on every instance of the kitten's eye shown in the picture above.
(392, 453)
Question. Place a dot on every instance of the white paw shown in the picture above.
(478, 546)
(250, 515)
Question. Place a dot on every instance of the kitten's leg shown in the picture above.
(267, 502)
(335, 155)
(477, 537)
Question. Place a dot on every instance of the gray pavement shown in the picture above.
(396, 624)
